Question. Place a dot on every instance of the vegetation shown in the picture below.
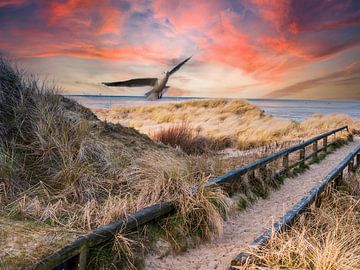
(183, 136)
(65, 172)
(323, 238)
(239, 123)
(62, 167)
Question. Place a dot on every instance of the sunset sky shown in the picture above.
(307, 49)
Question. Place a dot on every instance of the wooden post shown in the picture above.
(236, 186)
(252, 174)
(262, 171)
(351, 166)
(286, 162)
(315, 149)
(302, 157)
(325, 143)
(358, 161)
(83, 257)
(318, 201)
(338, 179)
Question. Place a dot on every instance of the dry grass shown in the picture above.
(238, 121)
(61, 166)
(24, 242)
(324, 238)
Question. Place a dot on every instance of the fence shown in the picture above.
(75, 255)
(352, 161)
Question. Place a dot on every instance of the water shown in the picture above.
(301, 109)
(281, 108)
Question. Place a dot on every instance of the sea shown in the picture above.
(293, 109)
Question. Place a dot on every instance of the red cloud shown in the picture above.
(74, 13)
(235, 47)
(275, 12)
(283, 46)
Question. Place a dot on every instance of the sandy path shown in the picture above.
(243, 227)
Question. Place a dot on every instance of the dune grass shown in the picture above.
(323, 238)
(236, 121)
(62, 167)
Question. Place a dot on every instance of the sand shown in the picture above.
(243, 227)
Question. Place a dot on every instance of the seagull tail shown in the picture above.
(151, 95)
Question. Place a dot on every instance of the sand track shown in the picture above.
(243, 227)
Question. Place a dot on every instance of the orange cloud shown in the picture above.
(89, 52)
(74, 13)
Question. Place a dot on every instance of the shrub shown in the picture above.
(183, 136)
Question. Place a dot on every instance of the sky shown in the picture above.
(303, 49)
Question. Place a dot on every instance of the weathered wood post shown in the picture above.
(315, 149)
(318, 201)
(338, 179)
(252, 174)
(235, 186)
(351, 166)
(83, 257)
(286, 163)
(262, 171)
(302, 157)
(325, 144)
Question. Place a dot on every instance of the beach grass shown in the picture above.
(323, 238)
(62, 167)
(241, 124)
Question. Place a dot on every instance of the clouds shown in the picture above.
(75, 28)
(269, 42)
(350, 74)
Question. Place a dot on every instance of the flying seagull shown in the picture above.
(159, 84)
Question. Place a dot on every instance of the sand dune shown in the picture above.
(245, 124)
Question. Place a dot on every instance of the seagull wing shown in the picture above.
(179, 66)
(133, 82)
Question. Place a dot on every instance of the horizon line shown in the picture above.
(194, 97)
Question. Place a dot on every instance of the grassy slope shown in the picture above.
(63, 169)
(245, 124)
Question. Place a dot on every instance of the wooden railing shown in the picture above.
(75, 255)
(351, 161)
(261, 163)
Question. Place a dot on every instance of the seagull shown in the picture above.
(159, 84)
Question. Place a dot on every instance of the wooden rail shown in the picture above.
(234, 175)
(351, 161)
(75, 255)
